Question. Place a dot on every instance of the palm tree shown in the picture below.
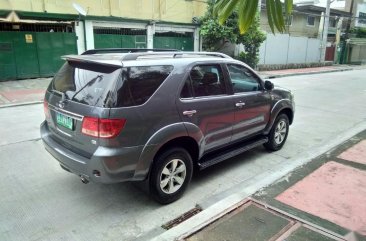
(247, 10)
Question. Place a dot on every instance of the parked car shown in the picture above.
(153, 116)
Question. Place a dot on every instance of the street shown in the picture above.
(40, 201)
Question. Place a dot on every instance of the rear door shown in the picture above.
(204, 102)
(77, 91)
(252, 102)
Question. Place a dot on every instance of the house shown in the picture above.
(306, 20)
(355, 49)
(303, 36)
(35, 33)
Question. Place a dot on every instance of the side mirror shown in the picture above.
(268, 85)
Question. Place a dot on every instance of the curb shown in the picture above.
(249, 187)
(21, 104)
(309, 73)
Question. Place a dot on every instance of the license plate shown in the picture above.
(64, 121)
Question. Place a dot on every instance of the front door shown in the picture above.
(252, 102)
(204, 102)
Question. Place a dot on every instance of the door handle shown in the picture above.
(240, 104)
(189, 112)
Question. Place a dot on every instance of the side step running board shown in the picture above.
(231, 152)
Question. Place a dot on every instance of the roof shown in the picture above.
(118, 59)
(311, 9)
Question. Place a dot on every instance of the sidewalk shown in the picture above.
(306, 71)
(23, 92)
(324, 199)
(31, 91)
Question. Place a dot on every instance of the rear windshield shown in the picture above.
(85, 83)
(108, 86)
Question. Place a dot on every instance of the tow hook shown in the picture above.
(84, 179)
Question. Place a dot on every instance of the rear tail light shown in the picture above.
(102, 128)
(46, 109)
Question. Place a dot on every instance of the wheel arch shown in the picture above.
(175, 135)
(186, 142)
(281, 107)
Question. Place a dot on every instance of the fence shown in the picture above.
(285, 49)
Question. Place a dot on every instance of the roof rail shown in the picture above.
(173, 54)
(125, 50)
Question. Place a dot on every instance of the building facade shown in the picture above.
(35, 33)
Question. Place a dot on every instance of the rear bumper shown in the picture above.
(113, 164)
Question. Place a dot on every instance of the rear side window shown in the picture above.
(206, 80)
(138, 84)
(85, 83)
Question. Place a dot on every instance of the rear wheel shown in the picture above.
(278, 134)
(170, 175)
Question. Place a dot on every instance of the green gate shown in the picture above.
(119, 38)
(32, 54)
(51, 46)
(119, 41)
(180, 43)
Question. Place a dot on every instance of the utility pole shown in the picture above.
(344, 54)
(325, 31)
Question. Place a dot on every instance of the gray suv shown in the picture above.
(115, 115)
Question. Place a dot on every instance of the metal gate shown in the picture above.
(119, 38)
(33, 50)
(172, 40)
(329, 53)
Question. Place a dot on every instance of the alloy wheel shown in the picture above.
(172, 176)
(280, 132)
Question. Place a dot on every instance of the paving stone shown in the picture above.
(305, 234)
(250, 224)
(334, 192)
(357, 153)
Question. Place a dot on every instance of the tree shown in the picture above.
(247, 10)
(214, 33)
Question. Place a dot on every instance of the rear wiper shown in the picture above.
(90, 82)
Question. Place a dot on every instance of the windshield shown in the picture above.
(88, 84)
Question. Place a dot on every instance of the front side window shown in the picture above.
(242, 79)
(207, 80)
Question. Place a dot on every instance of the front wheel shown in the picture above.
(278, 134)
(170, 175)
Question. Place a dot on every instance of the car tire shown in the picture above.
(170, 175)
(278, 134)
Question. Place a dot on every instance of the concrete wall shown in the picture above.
(286, 49)
(180, 11)
(297, 50)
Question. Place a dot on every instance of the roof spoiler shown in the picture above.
(88, 59)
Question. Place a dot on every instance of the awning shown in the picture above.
(28, 17)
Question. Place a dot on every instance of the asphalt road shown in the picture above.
(40, 201)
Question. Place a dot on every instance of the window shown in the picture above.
(242, 79)
(140, 83)
(288, 20)
(332, 23)
(310, 21)
(206, 80)
(86, 83)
